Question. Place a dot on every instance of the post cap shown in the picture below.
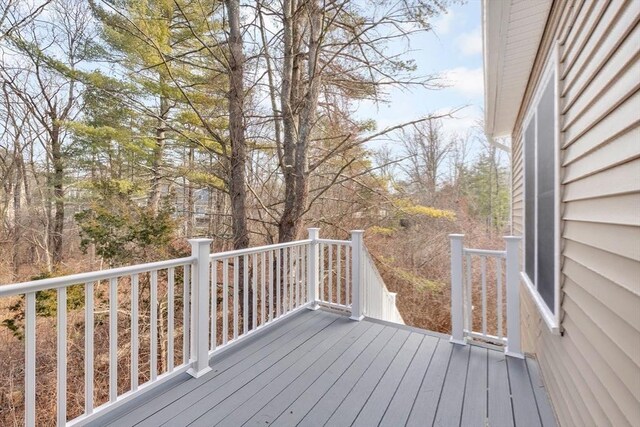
(200, 240)
(456, 236)
(513, 238)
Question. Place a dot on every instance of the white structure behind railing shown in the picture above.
(209, 302)
(379, 303)
(474, 299)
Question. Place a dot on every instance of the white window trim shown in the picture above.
(552, 319)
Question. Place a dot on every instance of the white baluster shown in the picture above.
(113, 339)
(62, 356)
(356, 275)
(134, 332)
(457, 311)
(30, 360)
(88, 348)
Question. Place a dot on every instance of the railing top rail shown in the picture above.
(485, 252)
(258, 249)
(334, 241)
(93, 276)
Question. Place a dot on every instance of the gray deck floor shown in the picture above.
(320, 368)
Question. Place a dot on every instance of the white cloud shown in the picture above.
(442, 24)
(468, 81)
(464, 121)
(470, 43)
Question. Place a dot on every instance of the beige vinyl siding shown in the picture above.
(592, 371)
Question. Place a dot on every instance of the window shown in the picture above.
(541, 219)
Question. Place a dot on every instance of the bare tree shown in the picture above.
(426, 148)
(50, 96)
(15, 14)
(332, 54)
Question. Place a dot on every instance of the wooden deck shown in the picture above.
(320, 368)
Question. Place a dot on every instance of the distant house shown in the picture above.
(562, 80)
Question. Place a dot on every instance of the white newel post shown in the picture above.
(356, 275)
(313, 268)
(513, 298)
(457, 306)
(200, 308)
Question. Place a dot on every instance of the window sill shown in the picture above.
(549, 318)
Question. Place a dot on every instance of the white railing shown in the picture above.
(159, 281)
(256, 286)
(485, 303)
(181, 312)
(335, 273)
(379, 303)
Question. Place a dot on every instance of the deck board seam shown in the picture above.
(357, 380)
(464, 392)
(377, 382)
(327, 350)
(258, 374)
(313, 381)
(444, 381)
(535, 398)
(270, 334)
(513, 409)
(338, 378)
(224, 356)
(306, 327)
(401, 380)
(384, 373)
(413, 404)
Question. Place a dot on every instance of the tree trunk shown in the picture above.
(58, 195)
(288, 107)
(294, 99)
(238, 156)
(190, 202)
(17, 215)
(157, 157)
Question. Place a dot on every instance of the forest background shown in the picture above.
(130, 126)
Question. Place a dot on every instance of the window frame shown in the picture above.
(551, 71)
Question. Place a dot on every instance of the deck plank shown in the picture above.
(474, 408)
(341, 337)
(233, 378)
(279, 403)
(249, 352)
(320, 368)
(335, 397)
(542, 399)
(452, 397)
(399, 409)
(525, 411)
(353, 403)
(221, 400)
(499, 405)
(426, 403)
(375, 407)
(336, 376)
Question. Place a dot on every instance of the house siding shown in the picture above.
(592, 371)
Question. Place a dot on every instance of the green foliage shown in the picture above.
(406, 206)
(121, 230)
(381, 231)
(488, 192)
(46, 305)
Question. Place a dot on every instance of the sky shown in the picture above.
(454, 51)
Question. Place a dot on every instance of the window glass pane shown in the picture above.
(546, 194)
(530, 200)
